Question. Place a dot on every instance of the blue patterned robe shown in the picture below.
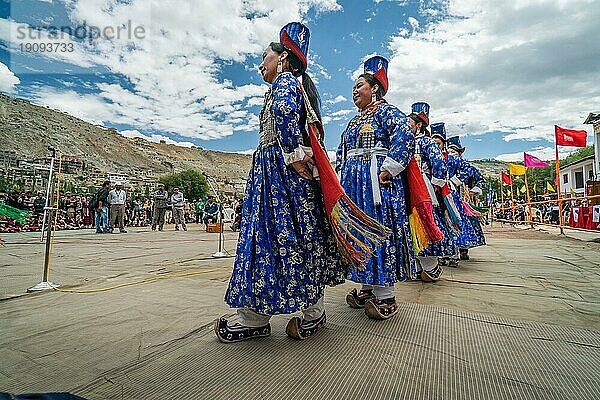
(461, 172)
(286, 251)
(386, 128)
(431, 161)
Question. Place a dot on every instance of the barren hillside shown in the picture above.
(28, 129)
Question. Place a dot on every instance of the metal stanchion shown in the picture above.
(220, 253)
(49, 213)
(48, 189)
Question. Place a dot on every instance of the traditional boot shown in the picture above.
(230, 333)
(381, 309)
(299, 328)
(432, 275)
(464, 254)
(356, 299)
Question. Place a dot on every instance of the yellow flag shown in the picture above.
(515, 169)
(549, 187)
(571, 191)
(523, 189)
(534, 187)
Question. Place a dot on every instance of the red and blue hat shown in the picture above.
(454, 143)
(294, 37)
(377, 66)
(438, 130)
(421, 110)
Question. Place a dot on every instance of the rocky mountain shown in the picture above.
(29, 129)
(490, 168)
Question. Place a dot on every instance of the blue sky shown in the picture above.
(500, 74)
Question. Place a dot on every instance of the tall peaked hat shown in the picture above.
(421, 110)
(377, 66)
(295, 36)
(454, 143)
(438, 129)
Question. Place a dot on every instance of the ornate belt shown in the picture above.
(371, 153)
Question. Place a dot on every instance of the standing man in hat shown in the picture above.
(286, 253)
(375, 148)
(177, 201)
(433, 166)
(462, 174)
(117, 198)
(160, 197)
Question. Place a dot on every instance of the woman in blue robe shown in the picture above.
(461, 173)
(433, 166)
(286, 252)
(375, 148)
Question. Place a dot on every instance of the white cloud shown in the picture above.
(513, 67)
(172, 73)
(337, 99)
(247, 151)
(8, 80)
(134, 133)
(340, 115)
(413, 22)
(543, 153)
(88, 107)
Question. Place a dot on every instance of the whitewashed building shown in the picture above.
(573, 177)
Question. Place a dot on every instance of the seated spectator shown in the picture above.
(38, 204)
(211, 211)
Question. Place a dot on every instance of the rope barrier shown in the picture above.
(138, 282)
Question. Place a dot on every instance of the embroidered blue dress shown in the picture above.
(471, 176)
(432, 163)
(378, 138)
(459, 172)
(286, 251)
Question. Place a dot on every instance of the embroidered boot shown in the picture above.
(230, 333)
(453, 262)
(299, 328)
(432, 275)
(381, 309)
(356, 299)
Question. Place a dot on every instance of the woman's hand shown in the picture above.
(385, 178)
(304, 168)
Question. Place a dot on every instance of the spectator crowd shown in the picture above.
(112, 209)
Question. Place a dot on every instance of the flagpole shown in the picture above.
(560, 213)
(512, 197)
(502, 196)
(528, 199)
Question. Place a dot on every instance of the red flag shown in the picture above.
(506, 179)
(570, 137)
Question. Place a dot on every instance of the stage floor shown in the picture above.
(521, 319)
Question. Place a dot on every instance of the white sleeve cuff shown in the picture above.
(297, 155)
(457, 182)
(476, 189)
(392, 166)
(438, 182)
